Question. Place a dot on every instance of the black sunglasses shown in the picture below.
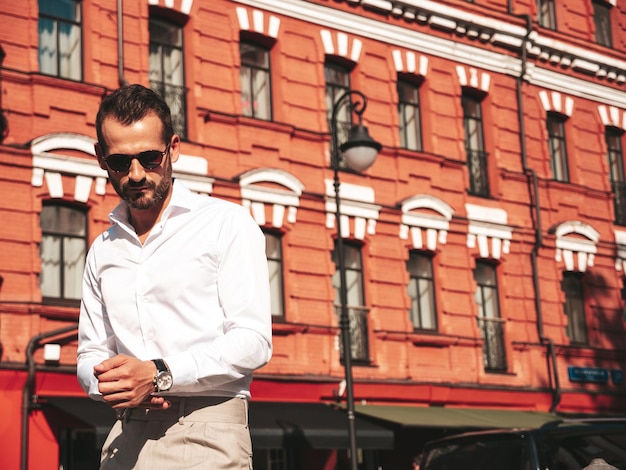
(150, 159)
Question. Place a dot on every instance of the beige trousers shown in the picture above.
(194, 433)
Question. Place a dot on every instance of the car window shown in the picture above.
(575, 452)
(482, 453)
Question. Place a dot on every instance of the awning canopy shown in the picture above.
(311, 425)
(459, 418)
(272, 425)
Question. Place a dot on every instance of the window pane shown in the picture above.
(421, 291)
(70, 50)
(354, 275)
(261, 86)
(602, 20)
(273, 252)
(62, 9)
(60, 38)
(614, 154)
(574, 307)
(48, 47)
(63, 250)
(74, 251)
(50, 279)
(167, 70)
(409, 116)
(558, 151)
(489, 321)
(245, 75)
(546, 17)
(255, 81)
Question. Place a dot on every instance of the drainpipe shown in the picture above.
(120, 44)
(29, 386)
(532, 175)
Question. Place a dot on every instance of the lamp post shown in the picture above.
(359, 153)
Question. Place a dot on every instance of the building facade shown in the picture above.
(485, 249)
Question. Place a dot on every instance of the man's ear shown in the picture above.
(99, 156)
(174, 148)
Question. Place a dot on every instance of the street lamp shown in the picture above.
(359, 153)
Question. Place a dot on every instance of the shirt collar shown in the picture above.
(181, 201)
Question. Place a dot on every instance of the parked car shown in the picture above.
(558, 445)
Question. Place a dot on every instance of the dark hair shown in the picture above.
(130, 104)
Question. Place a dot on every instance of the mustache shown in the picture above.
(139, 184)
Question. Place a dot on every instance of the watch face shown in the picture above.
(164, 381)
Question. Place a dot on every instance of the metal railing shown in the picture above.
(493, 349)
(359, 337)
(479, 179)
(175, 97)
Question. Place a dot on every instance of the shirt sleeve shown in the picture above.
(94, 344)
(244, 294)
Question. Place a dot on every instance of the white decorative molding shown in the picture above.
(575, 252)
(612, 116)
(340, 44)
(409, 62)
(356, 204)
(184, 5)
(450, 49)
(258, 24)
(48, 166)
(426, 229)
(255, 195)
(49, 163)
(620, 258)
(553, 101)
(470, 77)
(488, 230)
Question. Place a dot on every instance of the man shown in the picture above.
(175, 314)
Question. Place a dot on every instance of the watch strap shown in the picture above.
(160, 365)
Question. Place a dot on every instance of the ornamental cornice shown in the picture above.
(551, 62)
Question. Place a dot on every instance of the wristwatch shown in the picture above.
(163, 379)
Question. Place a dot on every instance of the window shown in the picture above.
(475, 145)
(422, 291)
(558, 149)
(409, 115)
(63, 250)
(167, 75)
(256, 98)
(546, 16)
(338, 83)
(273, 252)
(572, 287)
(613, 137)
(489, 321)
(602, 21)
(357, 312)
(60, 39)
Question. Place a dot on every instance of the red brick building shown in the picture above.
(485, 248)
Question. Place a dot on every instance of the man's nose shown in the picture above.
(136, 172)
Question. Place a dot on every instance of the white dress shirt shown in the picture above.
(196, 294)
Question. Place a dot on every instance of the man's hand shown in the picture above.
(127, 382)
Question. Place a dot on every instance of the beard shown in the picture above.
(151, 195)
